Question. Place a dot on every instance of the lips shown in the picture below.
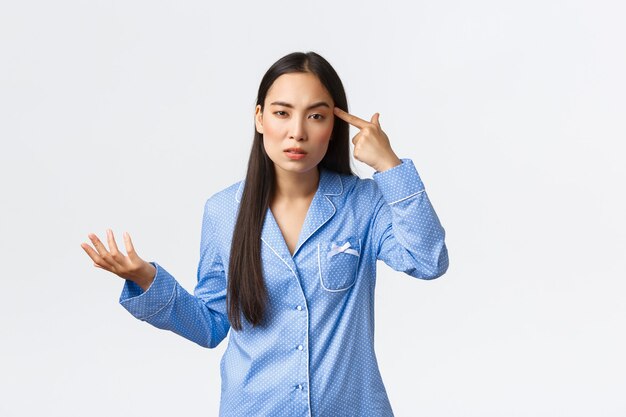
(295, 150)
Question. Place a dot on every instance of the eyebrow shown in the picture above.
(312, 106)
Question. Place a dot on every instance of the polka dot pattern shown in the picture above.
(314, 353)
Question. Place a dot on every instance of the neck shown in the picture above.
(296, 185)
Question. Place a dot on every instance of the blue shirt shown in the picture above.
(315, 356)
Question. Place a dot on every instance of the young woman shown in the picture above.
(288, 255)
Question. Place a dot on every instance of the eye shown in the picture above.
(318, 118)
(280, 111)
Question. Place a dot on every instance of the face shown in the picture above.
(298, 113)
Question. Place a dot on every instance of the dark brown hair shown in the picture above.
(247, 292)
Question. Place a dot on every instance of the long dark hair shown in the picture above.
(247, 292)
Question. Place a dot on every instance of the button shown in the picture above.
(299, 308)
(299, 386)
(300, 347)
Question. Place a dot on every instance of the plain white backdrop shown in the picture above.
(129, 114)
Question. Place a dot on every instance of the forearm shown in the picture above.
(407, 230)
(167, 305)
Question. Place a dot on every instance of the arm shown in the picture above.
(406, 232)
(201, 317)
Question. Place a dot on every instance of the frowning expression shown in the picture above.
(298, 116)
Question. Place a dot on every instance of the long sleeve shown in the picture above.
(200, 317)
(407, 233)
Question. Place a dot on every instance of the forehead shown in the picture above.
(298, 89)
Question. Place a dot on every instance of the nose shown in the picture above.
(297, 130)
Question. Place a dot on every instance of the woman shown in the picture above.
(288, 255)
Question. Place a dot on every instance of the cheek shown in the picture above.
(270, 138)
(323, 132)
(271, 128)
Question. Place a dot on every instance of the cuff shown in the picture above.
(143, 304)
(399, 182)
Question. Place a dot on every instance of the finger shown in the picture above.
(130, 249)
(375, 119)
(103, 252)
(97, 244)
(97, 259)
(353, 120)
(112, 244)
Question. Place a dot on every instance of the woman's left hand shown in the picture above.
(371, 144)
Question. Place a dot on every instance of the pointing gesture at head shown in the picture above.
(371, 144)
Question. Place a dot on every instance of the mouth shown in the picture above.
(295, 154)
(295, 151)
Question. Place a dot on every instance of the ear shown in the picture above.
(258, 119)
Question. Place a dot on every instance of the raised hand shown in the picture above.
(371, 144)
(130, 267)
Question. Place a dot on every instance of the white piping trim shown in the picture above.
(311, 234)
(167, 304)
(333, 213)
(340, 183)
(308, 347)
(308, 377)
(409, 196)
(237, 193)
(279, 257)
(319, 269)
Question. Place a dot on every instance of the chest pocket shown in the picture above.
(338, 263)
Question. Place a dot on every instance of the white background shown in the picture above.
(129, 114)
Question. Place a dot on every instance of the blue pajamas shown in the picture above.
(315, 354)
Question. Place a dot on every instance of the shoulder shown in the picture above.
(356, 193)
(360, 188)
(224, 200)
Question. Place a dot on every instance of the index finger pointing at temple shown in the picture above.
(353, 120)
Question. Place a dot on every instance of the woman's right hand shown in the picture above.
(130, 267)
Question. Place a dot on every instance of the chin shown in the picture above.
(296, 169)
